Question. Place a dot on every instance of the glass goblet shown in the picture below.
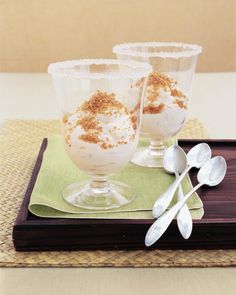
(167, 92)
(100, 105)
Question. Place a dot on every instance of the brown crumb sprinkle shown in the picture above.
(65, 118)
(101, 102)
(122, 142)
(177, 93)
(134, 120)
(152, 98)
(106, 145)
(135, 109)
(156, 82)
(181, 104)
(160, 80)
(88, 123)
(89, 138)
(152, 109)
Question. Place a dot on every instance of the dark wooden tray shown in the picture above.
(217, 229)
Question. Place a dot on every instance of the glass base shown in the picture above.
(102, 197)
(147, 157)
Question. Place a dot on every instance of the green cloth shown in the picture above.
(57, 171)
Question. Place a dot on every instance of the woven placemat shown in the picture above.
(19, 145)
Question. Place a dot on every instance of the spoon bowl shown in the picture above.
(198, 155)
(175, 160)
(213, 172)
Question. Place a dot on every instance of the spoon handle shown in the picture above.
(184, 218)
(165, 198)
(158, 228)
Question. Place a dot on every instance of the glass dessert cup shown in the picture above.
(166, 95)
(101, 105)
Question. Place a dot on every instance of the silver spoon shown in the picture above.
(172, 155)
(211, 174)
(196, 157)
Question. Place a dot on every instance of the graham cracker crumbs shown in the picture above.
(88, 123)
(101, 102)
(134, 120)
(152, 98)
(122, 142)
(152, 109)
(156, 82)
(89, 138)
(177, 93)
(181, 104)
(86, 117)
(65, 118)
(160, 80)
(135, 109)
(106, 145)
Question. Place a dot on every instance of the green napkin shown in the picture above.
(57, 171)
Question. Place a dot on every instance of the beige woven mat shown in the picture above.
(19, 145)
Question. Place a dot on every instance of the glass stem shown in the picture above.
(156, 148)
(99, 184)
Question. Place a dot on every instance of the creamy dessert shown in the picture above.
(164, 109)
(100, 136)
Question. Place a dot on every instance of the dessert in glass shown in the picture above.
(101, 105)
(167, 92)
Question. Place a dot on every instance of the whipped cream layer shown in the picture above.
(101, 135)
(165, 108)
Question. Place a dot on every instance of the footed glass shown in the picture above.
(101, 104)
(167, 92)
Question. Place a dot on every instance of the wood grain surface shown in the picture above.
(217, 229)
